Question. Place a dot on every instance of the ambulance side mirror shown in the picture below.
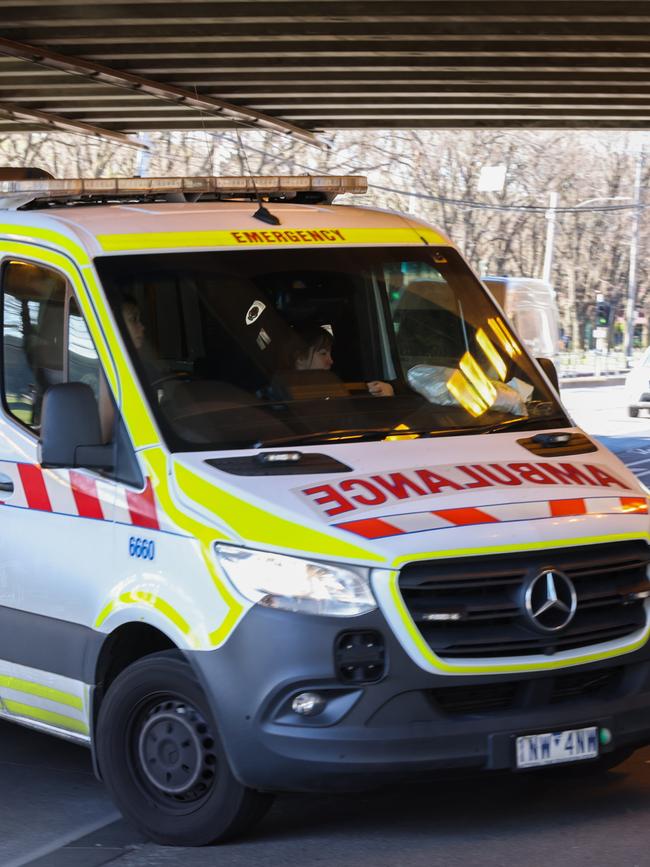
(71, 430)
(550, 370)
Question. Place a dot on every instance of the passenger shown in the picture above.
(312, 350)
(133, 321)
(155, 370)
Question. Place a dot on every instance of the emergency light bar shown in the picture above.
(18, 193)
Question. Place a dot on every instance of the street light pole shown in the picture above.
(550, 237)
(630, 304)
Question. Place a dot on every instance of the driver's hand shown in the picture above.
(380, 389)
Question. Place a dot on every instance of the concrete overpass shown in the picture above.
(114, 68)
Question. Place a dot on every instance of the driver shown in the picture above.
(312, 350)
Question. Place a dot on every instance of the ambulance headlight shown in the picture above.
(294, 584)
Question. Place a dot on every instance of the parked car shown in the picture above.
(637, 386)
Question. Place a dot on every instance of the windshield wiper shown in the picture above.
(353, 434)
(528, 423)
(377, 434)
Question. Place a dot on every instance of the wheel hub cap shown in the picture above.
(175, 748)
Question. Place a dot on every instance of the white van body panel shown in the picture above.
(531, 306)
(45, 701)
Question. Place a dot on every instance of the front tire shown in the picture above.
(633, 411)
(163, 762)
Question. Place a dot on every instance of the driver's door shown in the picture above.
(56, 526)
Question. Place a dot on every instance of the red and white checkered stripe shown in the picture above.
(72, 492)
(443, 519)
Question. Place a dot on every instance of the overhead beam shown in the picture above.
(91, 44)
(368, 10)
(208, 104)
(351, 54)
(271, 100)
(90, 107)
(394, 123)
(55, 121)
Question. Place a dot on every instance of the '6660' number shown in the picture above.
(145, 549)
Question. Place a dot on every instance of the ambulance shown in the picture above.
(236, 559)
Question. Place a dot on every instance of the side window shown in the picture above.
(427, 317)
(40, 350)
(83, 361)
(84, 366)
(33, 316)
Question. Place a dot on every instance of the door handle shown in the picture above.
(6, 484)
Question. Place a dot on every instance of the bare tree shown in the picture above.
(434, 174)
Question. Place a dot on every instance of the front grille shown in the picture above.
(584, 683)
(479, 699)
(486, 596)
(475, 699)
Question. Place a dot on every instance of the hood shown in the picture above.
(390, 501)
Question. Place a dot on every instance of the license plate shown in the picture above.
(552, 748)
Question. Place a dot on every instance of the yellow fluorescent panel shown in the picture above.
(504, 336)
(513, 340)
(492, 354)
(403, 436)
(466, 396)
(478, 378)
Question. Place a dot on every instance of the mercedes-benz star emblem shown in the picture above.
(551, 600)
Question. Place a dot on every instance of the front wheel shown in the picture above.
(632, 411)
(162, 760)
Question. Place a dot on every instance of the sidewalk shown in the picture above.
(591, 381)
(588, 369)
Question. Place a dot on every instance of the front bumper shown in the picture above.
(408, 724)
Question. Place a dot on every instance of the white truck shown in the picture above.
(531, 306)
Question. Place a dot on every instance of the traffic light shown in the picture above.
(603, 310)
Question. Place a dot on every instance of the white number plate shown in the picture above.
(552, 748)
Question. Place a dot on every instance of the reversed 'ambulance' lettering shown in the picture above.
(348, 495)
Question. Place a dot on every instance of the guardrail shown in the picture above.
(571, 365)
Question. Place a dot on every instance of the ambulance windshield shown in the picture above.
(252, 348)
